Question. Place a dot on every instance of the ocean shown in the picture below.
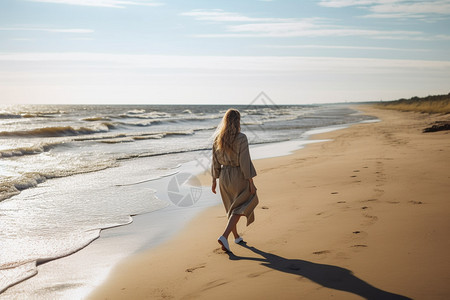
(69, 171)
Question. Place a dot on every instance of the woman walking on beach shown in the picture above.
(231, 164)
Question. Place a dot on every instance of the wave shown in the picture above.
(6, 115)
(185, 132)
(166, 117)
(92, 119)
(15, 272)
(136, 111)
(168, 121)
(37, 114)
(29, 150)
(141, 123)
(13, 186)
(58, 131)
(147, 137)
(142, 114)
(152, 154)
(108, 138)
(117, 140)
(123, 138)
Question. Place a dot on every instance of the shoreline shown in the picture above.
(136, 231)
(364, 181)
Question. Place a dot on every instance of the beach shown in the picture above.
(363, 215)
(71, 175)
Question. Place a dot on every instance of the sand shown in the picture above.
(366, 215)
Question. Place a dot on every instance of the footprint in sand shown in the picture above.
(379, 192)
(370, 219)
(369, 200)
(358, 234)
(218, 251)
(190, 270)
(213, 284)
(322, 252)
(415, 202)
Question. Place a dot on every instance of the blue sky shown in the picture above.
(163, 51)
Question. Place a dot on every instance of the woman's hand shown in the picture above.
(214, 184)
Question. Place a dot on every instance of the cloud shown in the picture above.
(248, 27)
(70, 30)
(308, 28)
(346, 3)
(342, 47)
(396, 8)
(313, 28)
(224, 63)
(102, 3)
(219, 15)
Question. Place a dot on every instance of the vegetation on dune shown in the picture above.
(429, 104)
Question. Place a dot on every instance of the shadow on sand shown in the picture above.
(329, 276)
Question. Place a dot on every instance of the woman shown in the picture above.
(231, 164)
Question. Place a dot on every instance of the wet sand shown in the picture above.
(365, 215)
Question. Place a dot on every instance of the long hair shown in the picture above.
(227, 131)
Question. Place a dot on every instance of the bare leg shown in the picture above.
(231, 226)
(235, 232)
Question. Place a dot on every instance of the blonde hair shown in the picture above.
(227, 131)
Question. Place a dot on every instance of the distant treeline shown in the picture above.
(429, 104)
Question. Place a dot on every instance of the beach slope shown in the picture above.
(364, 216)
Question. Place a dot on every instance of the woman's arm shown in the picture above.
(214, 184)
(215, 170)
(245, 162)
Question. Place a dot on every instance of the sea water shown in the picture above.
(99, 156)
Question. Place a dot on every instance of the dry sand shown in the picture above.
(363, 216)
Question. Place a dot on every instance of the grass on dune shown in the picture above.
(429, 104)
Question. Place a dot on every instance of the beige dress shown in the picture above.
(233, 171)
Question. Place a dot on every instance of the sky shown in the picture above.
(222, 52)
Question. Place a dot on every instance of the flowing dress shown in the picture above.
(234, 170)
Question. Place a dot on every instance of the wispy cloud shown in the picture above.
(246, 27)
(217, 63)
(62, 30)
(346, 3)
(103, 3)
(396, 8)
(219, 15)
(312, 28)
(343, 47)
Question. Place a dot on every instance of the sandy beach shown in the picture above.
(363, 216)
